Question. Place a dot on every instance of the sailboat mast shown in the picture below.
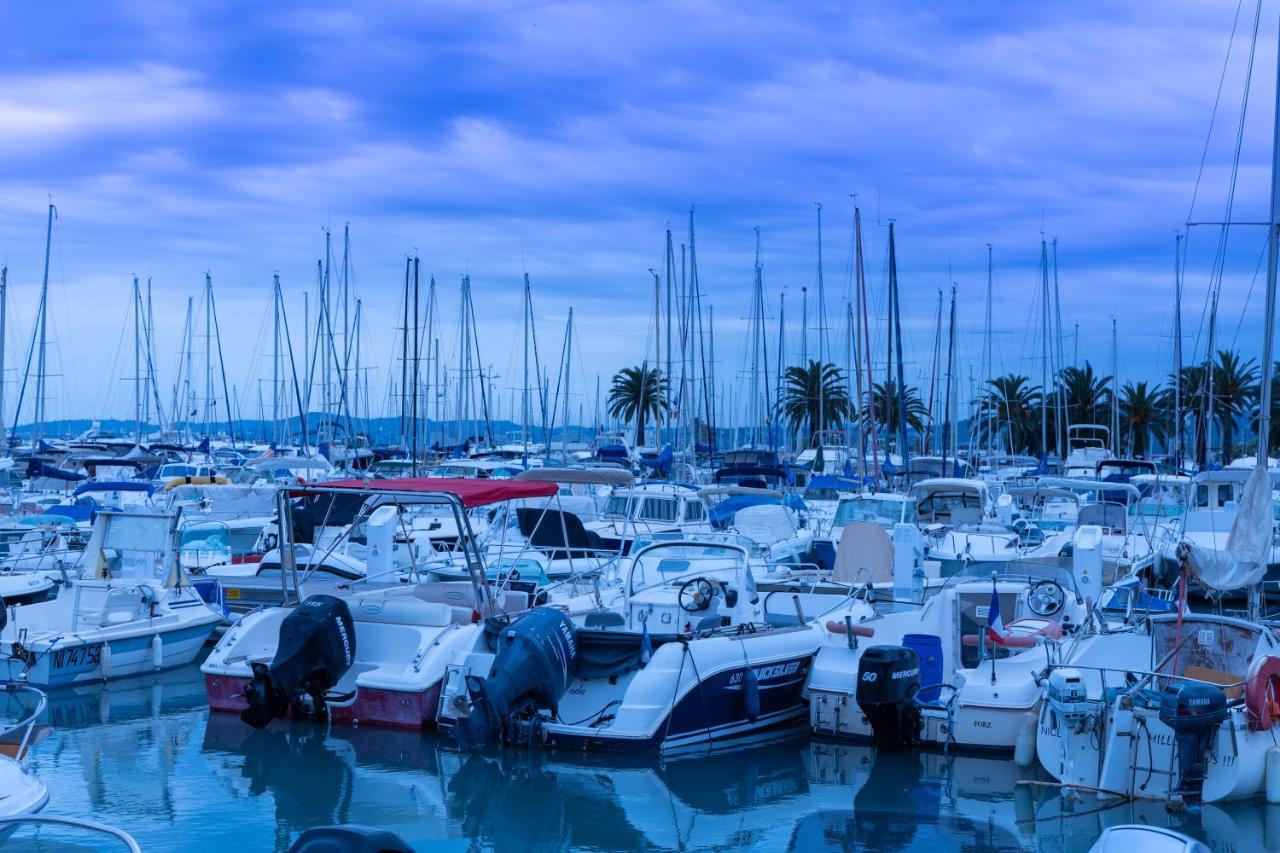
(897, 334)
(1044, 345)
(865, 334)
(208, 352)
(137, 362)
(275, 358)
(1177, 350)
(1269, 312)
(525, 412)
(989, 411)
(1115, 389)
(44, 325)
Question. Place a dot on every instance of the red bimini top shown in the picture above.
(472, 493)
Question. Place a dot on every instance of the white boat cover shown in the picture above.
(766, 524)
(1242, 561)
(864, 555)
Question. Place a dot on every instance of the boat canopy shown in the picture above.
(596, 476)
(472, 493)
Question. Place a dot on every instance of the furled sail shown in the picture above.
(1242, 561)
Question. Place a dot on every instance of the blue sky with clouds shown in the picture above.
(562, 139)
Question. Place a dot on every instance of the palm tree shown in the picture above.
(814, 396)
(1011, 403)
(1235, 388)
(1273, 437)
(638, 393)
(884, 402)
(1143, 415)
(1088, 396)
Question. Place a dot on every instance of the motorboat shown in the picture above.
(1176, 707)
(683, 657)
(648, 509)
(961, 670)
(367, 654)
(1213, 505)
(1087, 445)
(21, 791)
(132, 611)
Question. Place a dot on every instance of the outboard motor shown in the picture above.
(1194, 711)
(536, 658)
(317, 646)
(888, 681)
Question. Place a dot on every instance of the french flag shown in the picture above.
(995, 625)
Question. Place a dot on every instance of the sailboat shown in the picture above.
(1180, 706)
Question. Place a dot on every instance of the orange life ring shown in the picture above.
(1261, 691)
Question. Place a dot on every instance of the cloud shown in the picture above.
(563, 138)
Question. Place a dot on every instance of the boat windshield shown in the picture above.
(673, 563)
(883, 511)
(1015, 571)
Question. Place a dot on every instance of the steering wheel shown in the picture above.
(698, 591)
(1046, 598)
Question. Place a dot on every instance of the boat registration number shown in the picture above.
(232, 592)
(79, 658)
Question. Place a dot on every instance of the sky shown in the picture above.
(561, 140)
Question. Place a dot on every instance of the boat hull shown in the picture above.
(370, 706)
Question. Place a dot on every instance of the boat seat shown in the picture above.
(402, 610)
(120, 606)
(1031, 626)
(604, 619)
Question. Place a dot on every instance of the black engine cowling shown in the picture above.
(317, 646)
(888, 681)
(1194, 711)
(535, 660)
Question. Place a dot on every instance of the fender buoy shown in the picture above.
(1261, 690)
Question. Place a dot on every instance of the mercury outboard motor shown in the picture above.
(888, 681)
(1194, 711)
(317, 646)
(537, 656)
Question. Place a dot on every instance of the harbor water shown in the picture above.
(146, 755)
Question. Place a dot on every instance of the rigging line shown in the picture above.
(1204, 154)
(1220, 259)
(1257, 270)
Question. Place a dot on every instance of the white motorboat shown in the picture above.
(366, 654)
(962, 669)
(21, 791)
(132, 612)
(684, 657)
(1176, 707)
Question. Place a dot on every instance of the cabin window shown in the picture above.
(658, 509)
(1202, 496)
(693, 511)
(1224, 494)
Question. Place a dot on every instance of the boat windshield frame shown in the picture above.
(1029, 572)
(690, 552)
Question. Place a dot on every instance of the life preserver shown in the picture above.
(1262, 693)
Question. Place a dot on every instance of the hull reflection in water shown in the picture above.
(742, 796)
(149, 757)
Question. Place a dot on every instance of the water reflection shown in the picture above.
(149, 757)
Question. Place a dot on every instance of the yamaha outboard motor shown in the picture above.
(317, 646)
(536, 658)
(1194, 711)
(888, 681)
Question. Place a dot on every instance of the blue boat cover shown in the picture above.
(115, 486)
(721, 515)
(36, 469)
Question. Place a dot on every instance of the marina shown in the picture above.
(553, 455)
